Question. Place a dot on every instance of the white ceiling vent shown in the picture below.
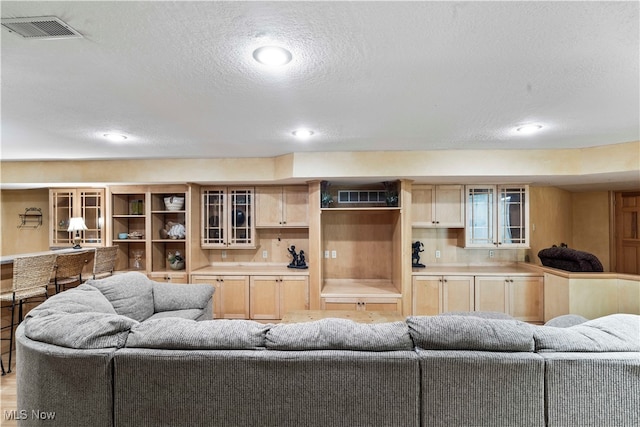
(42, 27)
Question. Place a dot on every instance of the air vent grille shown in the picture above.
(44, 27)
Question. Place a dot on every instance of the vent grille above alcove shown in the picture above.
(43, 27)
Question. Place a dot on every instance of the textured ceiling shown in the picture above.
(179, 77)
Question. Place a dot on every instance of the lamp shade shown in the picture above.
(76, 224)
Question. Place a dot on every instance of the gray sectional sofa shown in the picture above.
(125, 351)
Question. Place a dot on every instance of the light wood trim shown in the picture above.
(315, 246)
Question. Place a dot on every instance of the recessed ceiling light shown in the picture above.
(272, 55)
(302, 133)
(528, 129)
(115, 137)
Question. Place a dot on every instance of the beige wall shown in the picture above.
(591, 231)
(550, 219)
(23, 240)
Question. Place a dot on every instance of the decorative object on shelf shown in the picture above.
(136, 207)
(416, 247)
(173, 230)
(391, 193)
(77, 224)
(123, 236)
(238, 218)
(31, 218)
(176, 261)
(298, 260)
(137, 259)
(174, 203)
(325, 197)
(136, 235)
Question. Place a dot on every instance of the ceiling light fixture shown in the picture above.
(115, 137)
(302, 133)
(528, 129)
(272, 55)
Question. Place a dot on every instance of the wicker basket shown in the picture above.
(174, 203)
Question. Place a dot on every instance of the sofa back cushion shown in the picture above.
(470, 333)
(616, 332)
(130, 294)
(167, 297)
(83, 330)
(81, 299)
(339, 334)
(185, 334)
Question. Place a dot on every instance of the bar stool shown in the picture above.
(31, 276)
(68, 269)
(104, 261)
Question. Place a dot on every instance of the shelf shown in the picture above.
(354, 288)
(168, 240)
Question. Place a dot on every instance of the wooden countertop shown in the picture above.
(253, 268)
(514, 269)
(8, 259)
(578, 275)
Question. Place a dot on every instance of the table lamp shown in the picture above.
(76, 224)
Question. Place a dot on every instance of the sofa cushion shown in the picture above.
(185, 334)
(167, 297)
(616, 332)
(78, 330)
(566, 320)
(81, 299)
(339, 334)
(470, 333)
(191, 314)
(130, 294)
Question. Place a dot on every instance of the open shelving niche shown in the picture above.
(160, 216)
(367, 240)
(128, 216)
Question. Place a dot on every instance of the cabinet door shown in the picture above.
(513, 216)
(480, 212)
(427, 294)
(269, 207)
(449, 206)
(264, 301)
(166, 277)
(233, 294)
(422, 206)
(241, 222)
(350, 304)
(214, 218)
(294, 294)
(491, 294)
(212, 281)
(526, 296)
(61, 202)
(295, 206)
(457, 294)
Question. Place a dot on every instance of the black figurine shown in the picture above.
(298, 261)
(415, 256)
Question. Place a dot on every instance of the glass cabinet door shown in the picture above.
(213, 218)
(91, 202)
(512, 216)
(61, 211)
(480, 229)
(241, 202)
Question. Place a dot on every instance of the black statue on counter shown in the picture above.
(417, 247)
(298, 260)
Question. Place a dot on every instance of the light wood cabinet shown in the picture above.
(137, 216)
(231, 298)
(282, 206)
(228, 220)
(271, 297)
(520, 297)
(362, 304)
(437, 206)
(497, 216)
(66, 203)
(441, 294)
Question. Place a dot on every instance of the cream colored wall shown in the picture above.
(590, 224)
(550, 219)
(23, 240)
(517, 165)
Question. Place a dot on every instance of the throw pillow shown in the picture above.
(130, 294)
